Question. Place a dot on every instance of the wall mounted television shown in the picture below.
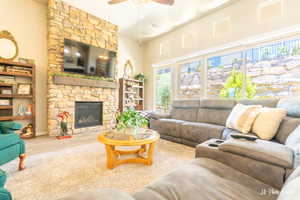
(88, 60)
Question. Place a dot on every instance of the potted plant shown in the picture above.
(140, 77)
(130, 120)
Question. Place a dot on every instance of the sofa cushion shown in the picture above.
(204, 179)
(213, 116)
(291, 189)
(186, 104)
(288, 125)
(261, 150)
(271, 103)
(270, 174)
(242, 117)
(217, 103)
(267, 122)
(7, 140)
(292, 105)
(168, 126)
(103, 194)
(293, 139)
(228, 132)
(200, 132)
(186, 114)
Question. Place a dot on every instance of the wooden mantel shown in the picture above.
(74, 81)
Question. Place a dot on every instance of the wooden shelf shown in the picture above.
(7, 111)
(8, 118)
(15, 74)
(125, 91)
(5, 85)
(6, 107)
(12, 63)
(20, 96)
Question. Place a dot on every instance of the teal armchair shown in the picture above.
(11, 145)
(4, 194)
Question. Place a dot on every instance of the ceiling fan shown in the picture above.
(166, 2)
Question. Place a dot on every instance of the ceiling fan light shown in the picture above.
(141, 1)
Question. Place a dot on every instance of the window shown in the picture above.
(190, 80)
(163, 89)
(275, 69)
(221, 69)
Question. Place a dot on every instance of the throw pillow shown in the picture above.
(267, 122)
(242, 117)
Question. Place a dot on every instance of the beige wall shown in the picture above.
(199, 34)
(130, 49)
(27, 21)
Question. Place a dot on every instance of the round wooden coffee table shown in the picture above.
(144, 138)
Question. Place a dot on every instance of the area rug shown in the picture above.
(54, 174)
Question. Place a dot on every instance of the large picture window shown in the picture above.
(275, 69)
(263, 71)
(190, 80)
(163, 88)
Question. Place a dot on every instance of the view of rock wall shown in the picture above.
(274, 69)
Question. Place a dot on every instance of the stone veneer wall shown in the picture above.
(65, 21)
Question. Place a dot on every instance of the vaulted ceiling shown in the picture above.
(147, 20)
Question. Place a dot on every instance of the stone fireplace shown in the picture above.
(71, 94)
(88, 114)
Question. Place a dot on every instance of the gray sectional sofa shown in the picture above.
(235, 170)
(192, 122)
(199, 123)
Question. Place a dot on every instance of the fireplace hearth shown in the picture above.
(88, 114)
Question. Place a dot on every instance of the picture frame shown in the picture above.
(24, 89)
(4, 102)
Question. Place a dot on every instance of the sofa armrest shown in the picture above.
(261, 150)
(154, 115)
(103, 194)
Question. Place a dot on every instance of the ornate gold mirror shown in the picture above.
(9, 49)
(128, 69)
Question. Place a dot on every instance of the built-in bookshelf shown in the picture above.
(17, 94)
(131, 94)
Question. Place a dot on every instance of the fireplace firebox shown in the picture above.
(88, 114)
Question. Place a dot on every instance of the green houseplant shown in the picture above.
(233, 87)
(130, 119)
(140, 77)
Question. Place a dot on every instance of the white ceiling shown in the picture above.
(145, 21)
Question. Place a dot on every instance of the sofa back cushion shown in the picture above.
(185, 110)
(215, 111)
(271, 103)
(292, 105)
(287, 126)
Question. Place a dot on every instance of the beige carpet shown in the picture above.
(58, 168)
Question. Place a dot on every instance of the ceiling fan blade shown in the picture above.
(116, 1)
(168, 2)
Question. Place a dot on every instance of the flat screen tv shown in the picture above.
(85, 59)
